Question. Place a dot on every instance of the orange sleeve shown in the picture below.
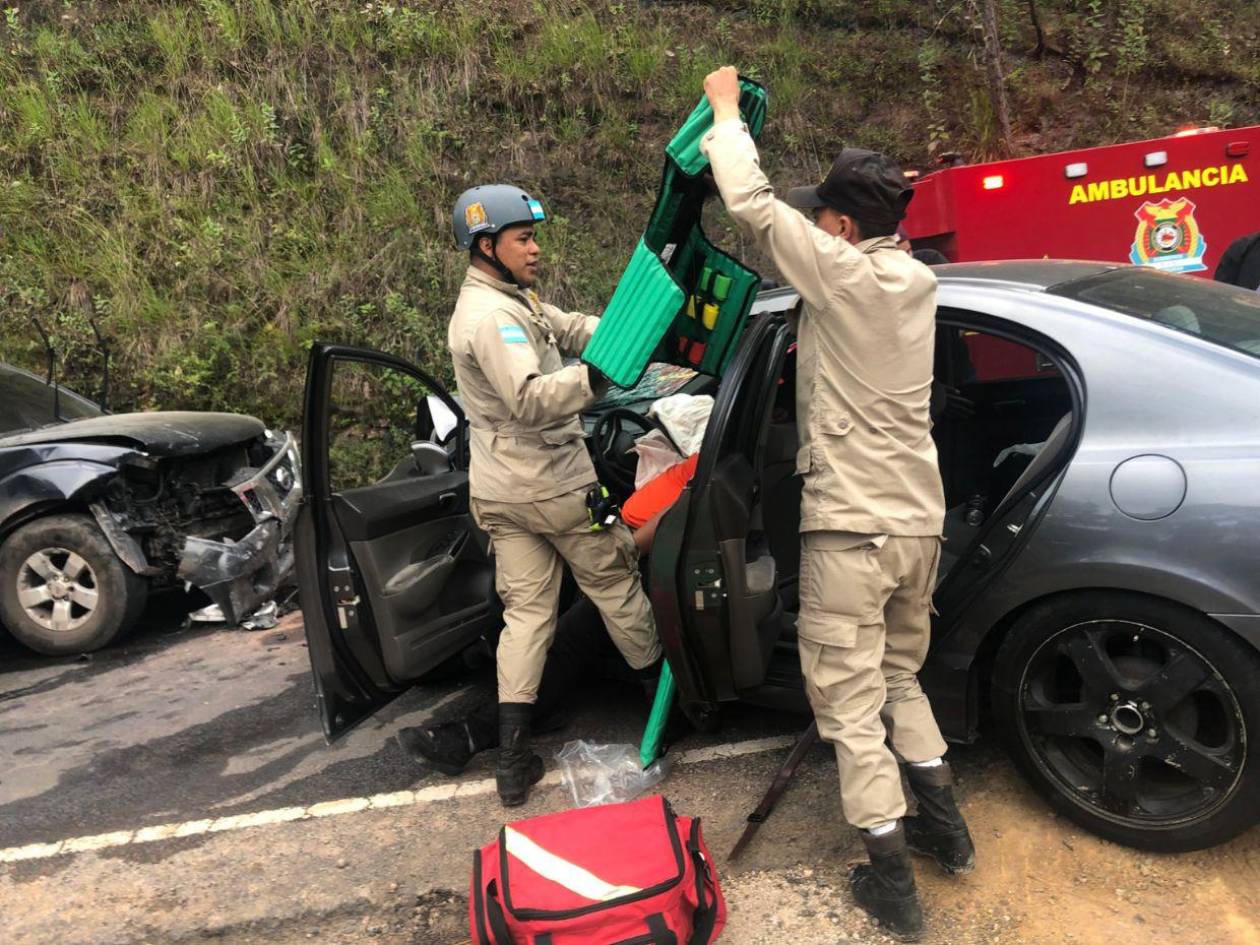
(658, 493)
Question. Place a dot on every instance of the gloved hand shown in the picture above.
(949, 403)
(598, 380)
(958, 407)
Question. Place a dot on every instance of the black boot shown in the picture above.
(885, 888)
(518, 767)
(648, 678)
(449, 747)
(938, 829)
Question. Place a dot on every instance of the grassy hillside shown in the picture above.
(222, 182)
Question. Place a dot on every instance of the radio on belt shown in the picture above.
(601, 509)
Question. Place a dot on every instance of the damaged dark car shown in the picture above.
(97, 510)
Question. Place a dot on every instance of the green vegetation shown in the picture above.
(223, 182)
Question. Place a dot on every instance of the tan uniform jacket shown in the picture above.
(522, 403)
(864, 360)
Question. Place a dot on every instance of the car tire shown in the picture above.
(1136, 718)
(89, 597)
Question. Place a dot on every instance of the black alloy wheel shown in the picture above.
(1133, 717)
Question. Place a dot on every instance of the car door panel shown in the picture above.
(395, 577)
(420, 584)
(729, 604)
(372, 512)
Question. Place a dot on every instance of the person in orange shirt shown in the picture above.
(642, 511)
(580, 651)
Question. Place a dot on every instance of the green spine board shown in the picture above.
(693, 256)
(654, 731)
(645, 303)
(684, 148)
(645, 319)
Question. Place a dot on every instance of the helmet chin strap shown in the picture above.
(494, 260)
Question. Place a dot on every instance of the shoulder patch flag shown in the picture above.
(513, 335)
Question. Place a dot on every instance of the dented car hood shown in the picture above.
(162, 433)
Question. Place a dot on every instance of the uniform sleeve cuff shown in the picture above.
(726, 126)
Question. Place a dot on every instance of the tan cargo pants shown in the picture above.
(863, 634)
(529, 539)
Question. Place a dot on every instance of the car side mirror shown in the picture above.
(431, 459)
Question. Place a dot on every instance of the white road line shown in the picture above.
(337, 808)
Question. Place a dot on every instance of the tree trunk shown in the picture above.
(1040, 49)
(993, 68)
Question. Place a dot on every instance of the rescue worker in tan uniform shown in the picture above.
(530, 472)
(872, 505)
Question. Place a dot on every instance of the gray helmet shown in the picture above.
(490, 208)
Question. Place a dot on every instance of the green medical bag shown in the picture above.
(681, 300)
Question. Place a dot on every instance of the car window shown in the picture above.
(1225, 315)
(979, 357)
(26, 402)
(375, 414)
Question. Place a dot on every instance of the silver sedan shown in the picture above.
(1099, 598)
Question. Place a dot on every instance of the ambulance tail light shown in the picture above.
(994, 182)
(1237, 149)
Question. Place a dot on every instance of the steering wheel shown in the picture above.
(609, 439)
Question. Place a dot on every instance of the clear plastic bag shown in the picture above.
(607, 774)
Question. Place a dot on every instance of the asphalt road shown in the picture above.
(178, 788)
(174, 725)
(178, 724)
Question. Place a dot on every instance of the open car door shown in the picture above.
(394, 576)
(715, 582)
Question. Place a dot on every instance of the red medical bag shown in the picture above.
(618, 874)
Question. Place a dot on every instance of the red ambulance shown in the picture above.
(1172, 203)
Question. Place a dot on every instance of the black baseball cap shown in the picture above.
(863, 184)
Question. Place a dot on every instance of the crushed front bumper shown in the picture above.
(243, 575)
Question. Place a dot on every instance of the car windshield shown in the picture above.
(26, 402)
(1218, 313)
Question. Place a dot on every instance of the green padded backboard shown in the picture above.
(681, 299)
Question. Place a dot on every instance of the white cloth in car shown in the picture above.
(656, 454)
(685, 416)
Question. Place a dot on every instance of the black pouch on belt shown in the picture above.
(601, 509)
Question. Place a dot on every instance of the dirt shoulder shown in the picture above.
(399, 877)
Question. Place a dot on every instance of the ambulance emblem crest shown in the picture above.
(1168, 237)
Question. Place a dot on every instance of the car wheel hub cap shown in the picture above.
(1128, 718)
(57, 589)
